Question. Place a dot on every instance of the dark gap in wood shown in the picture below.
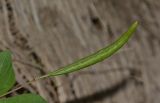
(110, 32)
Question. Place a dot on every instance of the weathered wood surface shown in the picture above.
(47, 34)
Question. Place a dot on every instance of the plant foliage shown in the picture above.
(7, 76)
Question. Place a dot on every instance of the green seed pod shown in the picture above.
(97, 56)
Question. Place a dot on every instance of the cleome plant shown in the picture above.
(7, 76)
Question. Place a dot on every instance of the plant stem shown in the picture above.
(18, 87)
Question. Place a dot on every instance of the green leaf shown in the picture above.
(7, 76)
(97, 56)
(25, 98)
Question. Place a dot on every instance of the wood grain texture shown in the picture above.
(47, 34)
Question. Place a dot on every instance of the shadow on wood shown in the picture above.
(106, 93)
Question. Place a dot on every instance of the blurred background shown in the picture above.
(44, 35)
